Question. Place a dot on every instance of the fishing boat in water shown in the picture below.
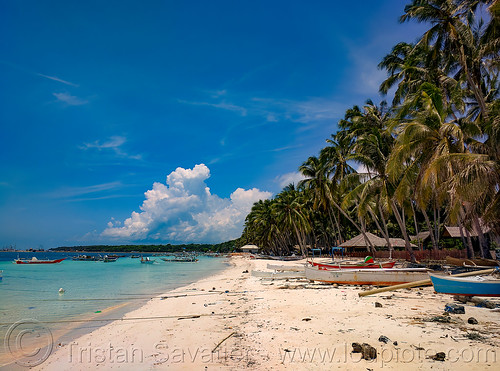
(181, 259)
(366, 276)
(34, 260)
(147, 260)
(466, 286)
(352, 265)
(85, 258)
(109, 259)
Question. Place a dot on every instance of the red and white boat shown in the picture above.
(352, 265)
(34, 260)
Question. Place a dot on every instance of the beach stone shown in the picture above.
(378, 305)
(461, 299)
(367, 351)
(483, 303)
(472, 321)
(395, 343)
(454, 309)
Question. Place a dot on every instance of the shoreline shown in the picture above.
(76, 326)
(232, 320)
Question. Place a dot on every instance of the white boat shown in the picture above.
(378, 277)
(287, 268)
(278, 275)
(147, 260)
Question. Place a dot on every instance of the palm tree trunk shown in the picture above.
(431, 232)
(420, 246)
(370, 248)
(391, 249)
(469, 249)
(353, 222)
(403, 230)
(485, 251)
(386, 235)
(475, 88)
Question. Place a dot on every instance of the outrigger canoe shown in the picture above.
(361, 265)
(466, 286)
(377, 277)
(479, 262)
(34, 260)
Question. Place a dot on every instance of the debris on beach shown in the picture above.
(367, 351)
(474, 336)
(440, 356)
(454, 309)
(384, 339)
(482, 303)
(378, 305)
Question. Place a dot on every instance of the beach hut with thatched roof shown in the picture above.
(253, 249)
(359, 242)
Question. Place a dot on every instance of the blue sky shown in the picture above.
(102, 100)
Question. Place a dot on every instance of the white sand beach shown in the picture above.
(236, 321)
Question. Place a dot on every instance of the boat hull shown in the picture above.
(465, 286)
(378, 277)
(19, 261)
(480, 262)
(353, 266)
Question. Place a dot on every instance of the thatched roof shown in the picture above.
(454, 232)
(421, 236)
(398, 242)
(250, 248)
(360, 241)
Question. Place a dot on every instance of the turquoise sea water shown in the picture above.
(32, 291)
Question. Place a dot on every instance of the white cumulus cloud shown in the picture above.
(184, 210)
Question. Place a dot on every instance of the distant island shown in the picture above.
(223, 247)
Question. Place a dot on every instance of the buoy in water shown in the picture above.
(61, 291)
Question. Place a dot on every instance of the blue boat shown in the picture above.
(466, 286)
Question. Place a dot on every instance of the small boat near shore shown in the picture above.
(377, 277)
(181, 259)
(466, 286)
(34, 260)
(109, 259)
(147, 260)
(85, 258)
(352, 265)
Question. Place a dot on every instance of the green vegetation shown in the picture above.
(431, 157)
(168, 248)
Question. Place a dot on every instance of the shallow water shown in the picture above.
(32, 291)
